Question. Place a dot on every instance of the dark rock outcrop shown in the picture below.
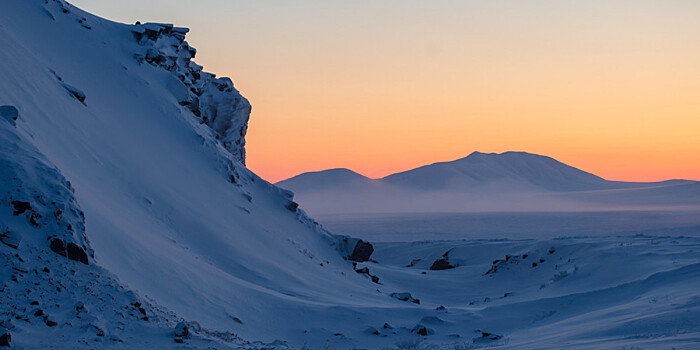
(10, 238)
(76, 253)
(181, 330)
(5, 339)
(9, 113)
(442, 264)
(213, 100)
(405, 297)
(362, 251)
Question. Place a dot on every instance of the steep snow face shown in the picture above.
(169, 207)
(214, 100)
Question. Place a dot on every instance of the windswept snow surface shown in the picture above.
(125, 148)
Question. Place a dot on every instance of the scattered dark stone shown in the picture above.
(442, 264)
(292, 206)
(51, 323)
(508, 257)
(11, 239)
(422, 330)
(551, 251)
(34, 303)
(541, 260)
(413, 262)
(362, 251)
(534, 264)
(46, 269)
(74, 91)
(76, 253)
(375, 279)
(10, 113)
(58, 246)
(39, 313)
(524, 256)
(405, 297)
(181, 330)
(20, 207)
(179, 340)
(363, 270)
(441, 308)
(387, 326)
(5, 339)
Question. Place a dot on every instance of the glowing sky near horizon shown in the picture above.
(611, 87)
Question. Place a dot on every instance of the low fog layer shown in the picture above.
(507, 182)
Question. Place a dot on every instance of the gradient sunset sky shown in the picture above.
(610, 86)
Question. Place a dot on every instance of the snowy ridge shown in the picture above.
(510, 181)
(186, 248)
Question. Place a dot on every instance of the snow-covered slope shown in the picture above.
(510, 181)
(153, 148)
(478, 169)
(127, 214)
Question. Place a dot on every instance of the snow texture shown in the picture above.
(129, 220)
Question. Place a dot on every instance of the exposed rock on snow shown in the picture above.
(441, 264)
(5, 339)
(10, 238)
(362, 251)
(405, 297)
(36, 191)
(9, 113)
(213, 100)
(74, 91)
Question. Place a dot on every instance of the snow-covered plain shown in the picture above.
(127, 213)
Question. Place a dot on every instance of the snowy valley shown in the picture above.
(128, 219)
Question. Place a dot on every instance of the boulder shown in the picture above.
(362, 251)
(20, 207)
(181, 330)
(442, 264)
(405, 297)
(10, 238)
(9, 113)
(58, 246)
(74, 91)
(422, 330)
(5, 339)
(76, 253)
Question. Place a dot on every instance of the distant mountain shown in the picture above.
(479, 169)
(509, 181)
(326, 179)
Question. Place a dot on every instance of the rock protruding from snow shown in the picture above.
(42, 200)
(9, 113)
(362, 251)
(213, 100)
(5, 339)
(10, 238)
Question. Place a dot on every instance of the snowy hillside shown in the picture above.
(117, 122)
(510, 181)
(129, 220)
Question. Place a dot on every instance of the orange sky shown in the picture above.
(611, 87)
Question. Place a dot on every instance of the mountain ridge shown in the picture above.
(479, 181)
